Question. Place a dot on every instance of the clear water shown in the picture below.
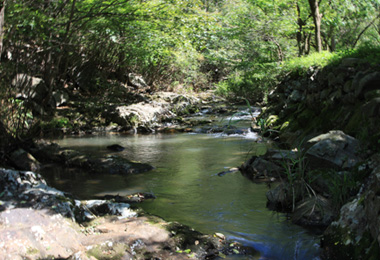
(189, 191)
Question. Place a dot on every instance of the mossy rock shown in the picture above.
(186, 237)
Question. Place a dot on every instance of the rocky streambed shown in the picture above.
(40, 222)
(328, 181)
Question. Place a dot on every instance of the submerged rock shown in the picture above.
(133, 198)
(104, 207)
(110, 164)
(116, 148)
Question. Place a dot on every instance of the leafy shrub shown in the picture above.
(367, 52)
(60, 122)
(302, 64)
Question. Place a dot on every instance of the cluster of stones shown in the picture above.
(41, 222)
(345, 97)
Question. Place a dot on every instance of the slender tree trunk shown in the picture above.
(299, 33)
(314, 7)
(307, 43)
(2, 14)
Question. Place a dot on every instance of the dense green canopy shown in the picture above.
(189, 43)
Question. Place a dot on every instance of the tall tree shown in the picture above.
(317, 17)
(2, 14)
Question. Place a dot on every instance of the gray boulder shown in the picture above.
(35, 93)
(30, 88)
(148, 115)
(24, 160)
(137, 81)
(258, 168)
(334, 150)
(136, 115)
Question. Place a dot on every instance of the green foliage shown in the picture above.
(340, 186)
(240, 45)
(253, 83)
(367, 51)
(16, 117)
(303, 64)
(267, 125)
(295, 167)
(57, 123)
(258, 81)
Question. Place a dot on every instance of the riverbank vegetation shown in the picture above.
(239, 46)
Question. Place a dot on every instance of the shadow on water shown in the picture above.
(189, 191)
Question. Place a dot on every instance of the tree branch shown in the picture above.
(365, 29)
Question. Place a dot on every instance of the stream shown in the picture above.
(188, 189)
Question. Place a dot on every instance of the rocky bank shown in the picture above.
(330, 120)
(344, 97)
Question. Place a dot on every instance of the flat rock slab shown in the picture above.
(36, 234)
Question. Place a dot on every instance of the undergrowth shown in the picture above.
(256, 80)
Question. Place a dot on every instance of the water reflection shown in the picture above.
(189, 191)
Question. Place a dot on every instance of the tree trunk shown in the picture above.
(2, 13)
(314, 7)
(307, 43)
(300, 24)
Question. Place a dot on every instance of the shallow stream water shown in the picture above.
(188, 189)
